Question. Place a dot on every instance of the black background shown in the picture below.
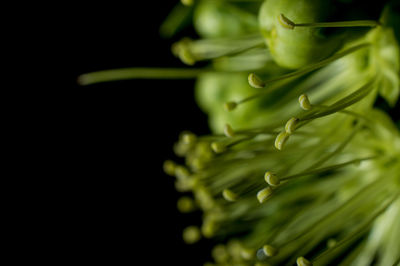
(121, 207)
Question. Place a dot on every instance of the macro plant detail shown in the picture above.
(300, 166)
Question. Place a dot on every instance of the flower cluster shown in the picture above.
(300, 167)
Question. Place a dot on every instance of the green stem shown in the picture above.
(139, 73)
(340, 24)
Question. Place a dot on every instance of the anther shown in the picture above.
(331, 243)
(189, 138)
(191, 234)
(185, 205)
(208, 228)
(270, 251)
(229, 195)
(169, 167)
(305, 102)
(264, 194)
(247, 253)
(181, 172)
(229, 106)
(255, 81)
(187, 2)
(220, 254)
(228, 131)
(281, 140)
(181, 49)
(301, 261)
(291, 125)
(272, 179)
(218, 147)
(186, 57)
(285, 22)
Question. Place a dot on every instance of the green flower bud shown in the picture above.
(300, 46)
(218, 19)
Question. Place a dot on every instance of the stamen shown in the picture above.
(287, 23)
(138, 73)
(305, 103)
(185, 205)
(191, 51)
(228, 131)
(287, 77)
(191, 234)
(189, 138)
(220, 254)
(264, 194)
(169, 167)
(255, 81)
(331, 243)
(209, 228)
(272, 179)
(328, 168)
(229, 195)
(301, 261)
(343, 103)
(187, 2)
(337, 150)
(229, 106)
(291, 125)
(270, 251)
(247, 253)
(186, 57)
(281, 140)
(181, 172)
(363, 226)
(218, 147)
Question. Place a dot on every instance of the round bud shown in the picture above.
(293, 47)
(191, 234)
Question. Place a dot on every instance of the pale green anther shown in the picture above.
(229, 195)
(301, 261)
(187, 2)
(220, 254)
(181, 149)
(186, 57)
(281, 140)
(181, 50)
(204, 198)
(247, 253)
(255, 81)
(264, 194)
(169, 167)
(185, 205)
(270, 251)
(228, 131)
(218, 147)
(291, 125)
(189, 138)
(191, 234)
(272, 179)
(331, 243)
(208, 228)
(181, 172)
(229, 106)
(305, 102)
(197, 164)
(184, 184)
(285, 22)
